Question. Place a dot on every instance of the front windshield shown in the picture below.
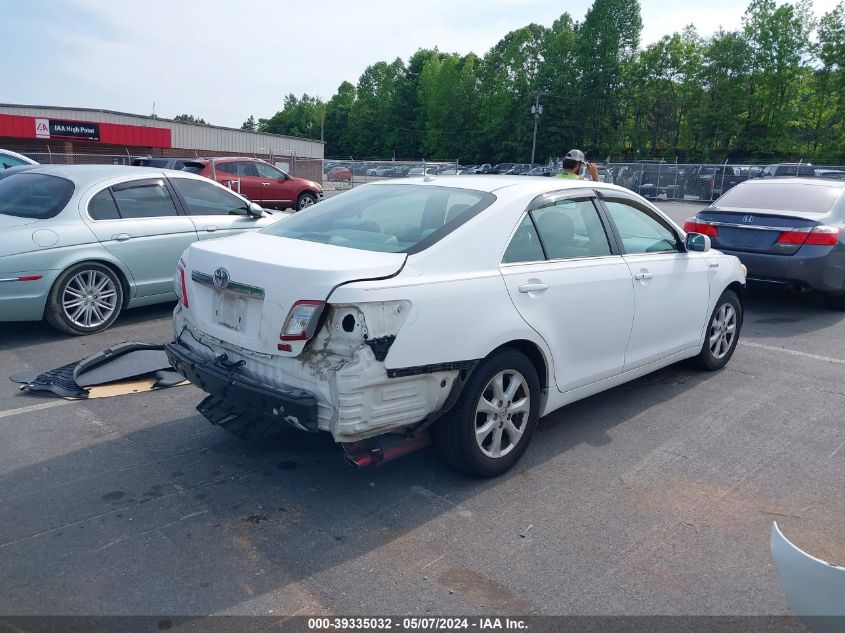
(39, 196)
(386, 218)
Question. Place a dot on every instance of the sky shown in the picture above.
(224, 60)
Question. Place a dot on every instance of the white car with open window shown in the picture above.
(466, 307)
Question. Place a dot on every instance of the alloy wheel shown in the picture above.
(722, 330)
(501, 415)
(89, 298)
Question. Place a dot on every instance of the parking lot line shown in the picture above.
(33, 407)
(794, 352)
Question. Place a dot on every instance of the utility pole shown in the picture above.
(536, 110)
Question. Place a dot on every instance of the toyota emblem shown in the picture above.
(747, 218)
(221, 278)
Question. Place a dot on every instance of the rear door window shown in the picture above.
(524, 245)
(571, 228)
(102, 206)
(144, 199)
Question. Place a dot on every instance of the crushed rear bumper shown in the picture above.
(288, 405)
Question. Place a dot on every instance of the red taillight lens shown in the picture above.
(813, 236)
(182, 290)
(301, 322)
(694, 225)
(712, 183)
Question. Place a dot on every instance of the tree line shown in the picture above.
(769, 90)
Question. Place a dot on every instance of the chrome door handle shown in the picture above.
(265, 184)
(714, 264)
(526, 288)
(121, 237)
(643, 275)
(210, 228)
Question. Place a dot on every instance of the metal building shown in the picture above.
(70, 135)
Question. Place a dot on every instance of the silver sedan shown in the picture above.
(82, 242)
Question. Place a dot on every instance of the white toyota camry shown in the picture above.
(460, 308)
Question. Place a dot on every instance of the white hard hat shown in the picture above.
(576, 155)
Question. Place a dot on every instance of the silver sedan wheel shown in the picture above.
(307, 201)
(501, 415)
(89, 298)
(722, 330)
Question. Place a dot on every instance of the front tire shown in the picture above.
(722, 333)
(493, 421)
(86, 298)
(305, 200)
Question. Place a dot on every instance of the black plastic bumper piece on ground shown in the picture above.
(285, 404)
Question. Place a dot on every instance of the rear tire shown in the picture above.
(305, 200)
(835, 301)
(482, 437)
(722, 333)
(85, 299)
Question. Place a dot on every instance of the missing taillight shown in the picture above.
(301, 322)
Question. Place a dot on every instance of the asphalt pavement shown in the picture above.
(656, 497)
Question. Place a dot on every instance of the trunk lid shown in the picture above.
(755, 231)
(264, 276)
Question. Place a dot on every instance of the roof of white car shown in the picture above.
(491, 183)
(793, 180)
(83, 175)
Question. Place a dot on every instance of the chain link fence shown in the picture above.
(655, 179)
(701, 181)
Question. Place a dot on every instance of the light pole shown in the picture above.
(536, 110)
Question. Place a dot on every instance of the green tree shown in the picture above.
(189, 118)
(298, 117)
(508, 76)
(250, 125)
(607, 41)
(339, 141)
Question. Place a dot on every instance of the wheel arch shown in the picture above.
(538, 359)
(739, 288)
(121, 274)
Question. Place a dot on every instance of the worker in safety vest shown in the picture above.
(573, 164)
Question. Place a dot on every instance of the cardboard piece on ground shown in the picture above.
(125, 387)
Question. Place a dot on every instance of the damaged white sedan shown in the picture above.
(460, 307)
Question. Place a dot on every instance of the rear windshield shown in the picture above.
(386, 218)
(34, 195)
(193, 168)
(781, 196)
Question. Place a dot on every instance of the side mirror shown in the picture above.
(697, 242)
(255, 210)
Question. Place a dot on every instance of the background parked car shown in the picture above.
(785, 230)
(8, 158)
(650, 178)
(339, 174)
(545, 170)
(259, 181)
(519, 169)
(788, 169)
(82, 242)
(836, 174)
(162, 162)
